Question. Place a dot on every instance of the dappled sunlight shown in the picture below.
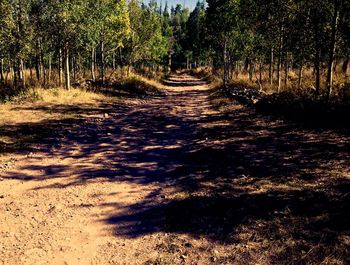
(177, 165)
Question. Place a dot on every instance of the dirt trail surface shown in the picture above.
(178, 179)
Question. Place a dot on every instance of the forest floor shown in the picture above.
(187, 177)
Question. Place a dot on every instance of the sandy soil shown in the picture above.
(174, 180)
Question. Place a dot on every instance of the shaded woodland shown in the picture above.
(275, 44)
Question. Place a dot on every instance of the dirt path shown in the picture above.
(173, 180)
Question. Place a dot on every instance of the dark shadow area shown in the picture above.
(29, 137)
(47, 134)
(218, 216)
(306, 109)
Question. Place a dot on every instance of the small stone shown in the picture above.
(188, 245)
(2, 179)
(2, 196)
(106, 115)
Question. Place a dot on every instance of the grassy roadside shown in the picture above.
(298, 105)
(30, 118)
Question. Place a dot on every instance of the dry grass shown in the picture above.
(73, 96)
(299, 103)
(263, 83)
(17, 111)
(21, 116)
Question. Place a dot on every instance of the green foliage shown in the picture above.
(51, 35)
(85, 35)
(148, 43)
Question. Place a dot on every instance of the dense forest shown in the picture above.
(56, 42)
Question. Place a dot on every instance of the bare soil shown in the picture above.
(187, 177)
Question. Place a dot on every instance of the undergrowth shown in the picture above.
(132, 86)
(297, 104)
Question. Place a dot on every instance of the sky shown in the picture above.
(188, 3)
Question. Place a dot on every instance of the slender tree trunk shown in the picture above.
(335, 66)
(233, 69)
(271, 66)
(31, 71)
(23, 76)
(229, 68)
(2, 70)
(260, 72)
(8, 72)
(37, 70)
(102, 61)
(43, 70)
(225, 64)
(113, 62)
(15, 77)
(67, 69)
(317, 72)
(246, 65)
(251, 70)
(19, 70)
(96, 63)
(332, 48)
(50, 69)
(60, 68)
(300, 75)
(38, 61)
(42, 63)
(12, 73)
(279, 79)
(236, 70)
(286, 71)
(317, 63)
(78, 66)
(17, 73)
(93, 77)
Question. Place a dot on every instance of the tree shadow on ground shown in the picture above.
(240, 175)
(48, 133)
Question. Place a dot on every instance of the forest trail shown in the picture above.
(174, 180)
